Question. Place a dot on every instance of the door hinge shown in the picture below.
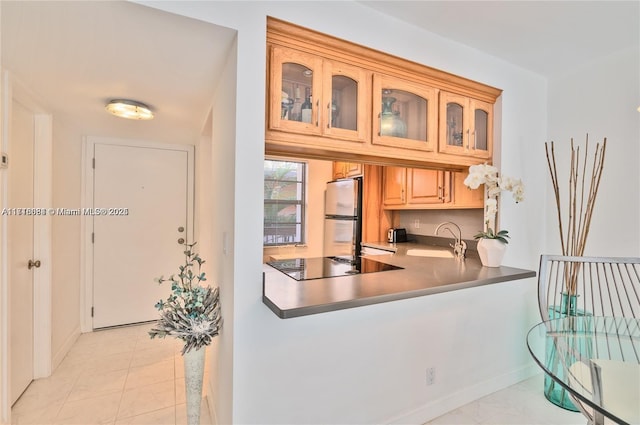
(93, 163)
(91, 311)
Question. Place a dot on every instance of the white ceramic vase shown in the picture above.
(193, 374)
(491, 252)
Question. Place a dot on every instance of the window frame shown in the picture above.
(302, 202)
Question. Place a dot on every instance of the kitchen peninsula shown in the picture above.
(418, 276)
(411, 130)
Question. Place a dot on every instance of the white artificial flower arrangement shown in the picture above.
(493, 185)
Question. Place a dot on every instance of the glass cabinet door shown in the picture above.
(481, 128)
(454, 123)
(465, 126)
(346, 96)
(295, 91)
(343, 109)
(405, 114)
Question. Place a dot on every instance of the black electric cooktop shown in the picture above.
(324, 267)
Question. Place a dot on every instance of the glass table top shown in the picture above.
(597, 359)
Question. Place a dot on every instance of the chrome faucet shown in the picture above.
(460, 246)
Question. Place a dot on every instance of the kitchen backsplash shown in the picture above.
(470, 221)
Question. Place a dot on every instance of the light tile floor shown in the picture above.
(116, 376)
(121, 376)
(520, 404)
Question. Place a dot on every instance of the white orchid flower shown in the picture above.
(494, 184)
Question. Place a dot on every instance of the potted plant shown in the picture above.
(492, 243)
(192, 314)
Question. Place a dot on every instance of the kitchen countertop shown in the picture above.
(420, 276)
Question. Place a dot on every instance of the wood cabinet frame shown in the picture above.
(363, 104)
(469, 106)
(297, 141)
(280, 56)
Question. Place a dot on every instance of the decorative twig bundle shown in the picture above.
(582, 198)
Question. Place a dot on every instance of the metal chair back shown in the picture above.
(597, 286)
(603, 286)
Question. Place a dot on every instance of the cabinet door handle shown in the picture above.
(317, 109)
(474, 140)
(468, 139)
(329, 116)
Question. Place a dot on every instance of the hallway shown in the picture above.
(115, 376)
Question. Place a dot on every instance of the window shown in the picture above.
(284, 199)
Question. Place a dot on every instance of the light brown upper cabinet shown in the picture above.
(314, 96)
(466, 126)
(413, 188)
(428, 186)
(394, 186)
(347, 102)
(342, 170)
(331, 99)
(463, 197)
(405, 114)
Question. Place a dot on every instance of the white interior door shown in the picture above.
(20, 244)
(144, 191)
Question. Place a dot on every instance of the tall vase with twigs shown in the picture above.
(574, 221)
(583, 190)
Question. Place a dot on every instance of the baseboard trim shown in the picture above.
(447, 403)
(65, 348)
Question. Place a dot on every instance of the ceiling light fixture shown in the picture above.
(130, 109)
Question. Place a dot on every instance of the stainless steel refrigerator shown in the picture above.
(343, 219)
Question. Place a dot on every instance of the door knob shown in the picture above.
(181, 241)
(31, 264)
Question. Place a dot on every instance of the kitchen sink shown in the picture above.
(430, 252)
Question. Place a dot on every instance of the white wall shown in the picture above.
(222, 246)
(204, 200)
(5, 409)
(601, 99)
(65, 285)
(365, 365)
